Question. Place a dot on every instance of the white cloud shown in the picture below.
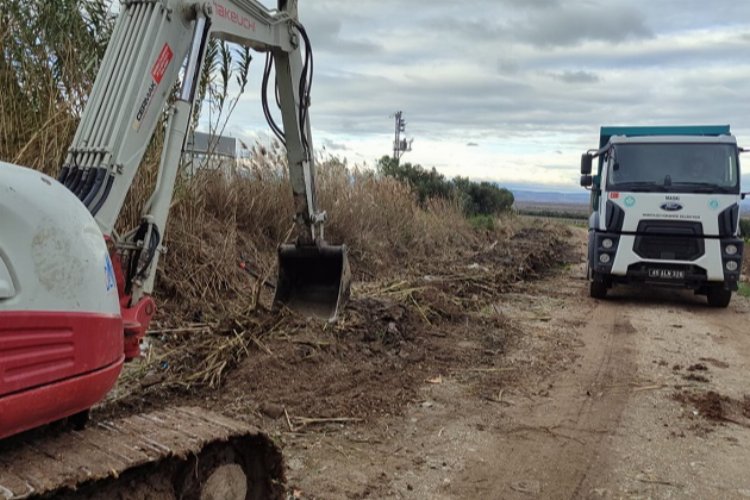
(530, 82)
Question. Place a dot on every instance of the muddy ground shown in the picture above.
(643, 395)
(497, 378)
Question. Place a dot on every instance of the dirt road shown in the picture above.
(643, 395)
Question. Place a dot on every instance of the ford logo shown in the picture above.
(671, 206)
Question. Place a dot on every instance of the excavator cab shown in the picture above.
(314, 280)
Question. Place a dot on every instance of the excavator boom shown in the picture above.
(152, 43)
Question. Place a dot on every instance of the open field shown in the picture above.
(570, 214)
(564, 209)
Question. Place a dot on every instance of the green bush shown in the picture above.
(425, 183)
(482, 222)
(476, 198)
(482, 198)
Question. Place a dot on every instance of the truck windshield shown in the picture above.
(679, 167)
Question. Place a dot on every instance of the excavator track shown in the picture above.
(185, 453)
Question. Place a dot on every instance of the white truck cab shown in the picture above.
(665, 210)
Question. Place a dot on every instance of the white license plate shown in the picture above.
(666, 274)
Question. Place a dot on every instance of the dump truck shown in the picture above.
(665, 206)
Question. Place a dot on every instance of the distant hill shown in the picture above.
(551, 197)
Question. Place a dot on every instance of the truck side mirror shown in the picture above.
(586, 161)
(587, 181)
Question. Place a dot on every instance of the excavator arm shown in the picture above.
(157, 45)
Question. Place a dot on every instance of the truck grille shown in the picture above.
(666, 240)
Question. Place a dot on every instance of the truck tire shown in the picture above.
(718, 296)
(598, 288)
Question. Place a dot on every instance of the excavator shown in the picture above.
(76, 294)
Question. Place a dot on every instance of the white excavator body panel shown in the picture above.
(53, 256)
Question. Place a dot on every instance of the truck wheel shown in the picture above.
(598, 289)
(719, 296)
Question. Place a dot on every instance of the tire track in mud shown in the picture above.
(601, 413)
(550, 447)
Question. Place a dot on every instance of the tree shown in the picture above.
(483, 198)
(425, 183)
(476, 198)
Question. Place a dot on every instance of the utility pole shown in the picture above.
(400, 146)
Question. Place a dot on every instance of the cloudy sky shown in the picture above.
(515, 90)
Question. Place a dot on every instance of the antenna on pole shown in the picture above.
(400, 146)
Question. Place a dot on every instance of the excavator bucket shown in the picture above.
(313, 280)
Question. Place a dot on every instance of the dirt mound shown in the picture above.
(362, 373)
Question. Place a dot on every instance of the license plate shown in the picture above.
(666, 274)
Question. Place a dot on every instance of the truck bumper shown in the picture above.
(614, 258)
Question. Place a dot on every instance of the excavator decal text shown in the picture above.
(234, 16)
(144, 105)
(157, 73)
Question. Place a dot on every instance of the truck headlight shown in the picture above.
(605, 258)
(608, 243)
(732, 266)
(731, 250)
